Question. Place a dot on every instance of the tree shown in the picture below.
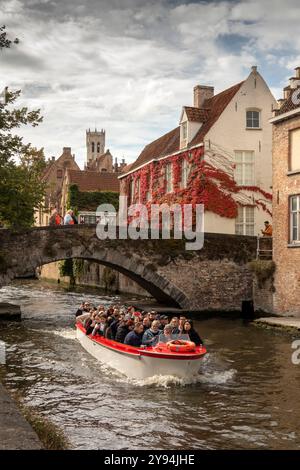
(21, 165)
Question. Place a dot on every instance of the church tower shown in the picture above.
(95, 144)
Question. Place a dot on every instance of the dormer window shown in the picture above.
(253, 119)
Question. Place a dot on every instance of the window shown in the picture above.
(169, 178)
(98, 148)
(131, 190)
(93, 147)
(184, 130)
(244, 223)
(59, 173)
(137, 189)
(253, 119)
(295, 219)
(244, 168)
(294, 150)
(184, 173)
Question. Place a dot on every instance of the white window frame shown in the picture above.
(291, 166)
(185, 170)
(132, 191)
(241, 181)
(242, 225)
(169, 177)
(252, 119)
(294, 215)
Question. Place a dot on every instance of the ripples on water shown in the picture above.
(246, 396)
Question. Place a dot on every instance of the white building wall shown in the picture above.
(230, 133)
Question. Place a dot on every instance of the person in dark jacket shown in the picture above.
(123, 330)
(134, 337)
(188, 329)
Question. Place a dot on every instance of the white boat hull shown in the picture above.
(138, 366)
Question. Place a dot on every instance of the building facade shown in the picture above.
(286, 197)
(54, 176)
(220, 155)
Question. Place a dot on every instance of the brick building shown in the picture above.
(54, 176)
(286, 200)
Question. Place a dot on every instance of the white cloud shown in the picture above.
(129, 66)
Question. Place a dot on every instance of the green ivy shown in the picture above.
(90, 200)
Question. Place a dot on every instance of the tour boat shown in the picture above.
(140, 363)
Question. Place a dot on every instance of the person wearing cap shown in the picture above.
(268, 231)
(163, 321)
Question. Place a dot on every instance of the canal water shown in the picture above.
(246, 396)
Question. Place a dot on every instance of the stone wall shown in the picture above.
(214, 278)
(94, 276)
(286, 257)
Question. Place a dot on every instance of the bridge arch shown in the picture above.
(63, 244)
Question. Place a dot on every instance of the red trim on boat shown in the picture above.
(162, 352)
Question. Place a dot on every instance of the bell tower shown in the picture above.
(95, 144)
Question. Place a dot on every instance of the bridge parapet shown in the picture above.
(215, 277)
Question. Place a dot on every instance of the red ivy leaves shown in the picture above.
(206, 184)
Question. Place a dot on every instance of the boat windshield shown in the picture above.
(166, 338)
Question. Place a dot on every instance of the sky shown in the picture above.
(128, 66)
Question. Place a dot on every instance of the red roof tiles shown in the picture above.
(94, 181)
(170, 142)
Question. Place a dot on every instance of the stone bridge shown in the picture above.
(215, 278)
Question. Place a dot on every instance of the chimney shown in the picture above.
(254, 68)
(297, 69)
(286, 92)
(202, 93)
(53, 159)
(67, 150)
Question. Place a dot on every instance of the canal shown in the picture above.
(247, 395)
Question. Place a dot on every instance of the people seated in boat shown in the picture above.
(134, 337)
(100, 325)
(146, 322)
(116, 318)
(80, 310)
(188, 329)
(150, 337)
(182, 320)
(152, 315)
(167, 333)
(175, 322)
(90, 322)
(164, 320)
(123, 329)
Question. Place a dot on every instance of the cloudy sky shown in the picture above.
(130, 65)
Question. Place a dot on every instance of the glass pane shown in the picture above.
(294, 203)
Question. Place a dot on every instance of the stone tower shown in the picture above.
(95, 144)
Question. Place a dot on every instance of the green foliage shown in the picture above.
(90, 200)
(21, 187)
(78, 265)
(5, 43)
(66, 268)
(263, 270)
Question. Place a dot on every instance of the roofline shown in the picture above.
(286, 115)
(158, 159)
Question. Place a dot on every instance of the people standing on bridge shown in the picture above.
(188, 329)
(268, 231)
(55, 218)
(74, 218)
(68, 220)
